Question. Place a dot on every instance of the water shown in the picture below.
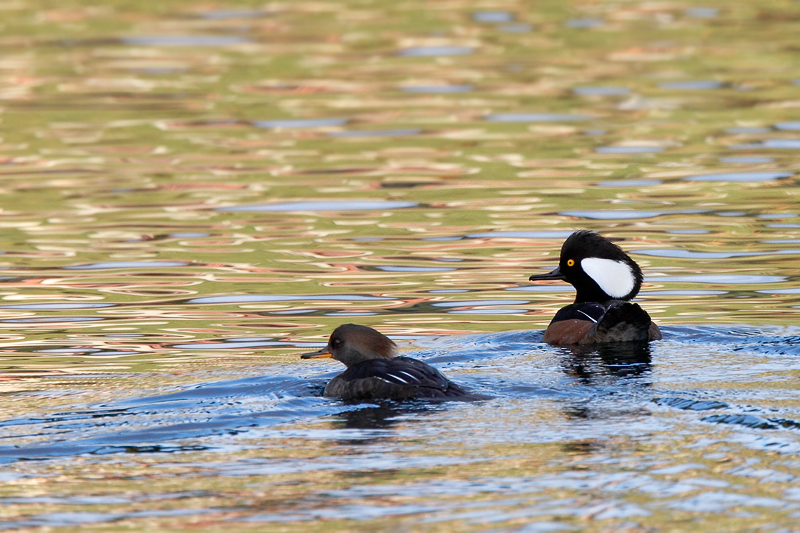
(193, 196)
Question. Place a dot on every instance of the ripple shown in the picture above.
(702, 12)
(185, 40)
(252, 298)
(520, 235)
(691, 85)
(300, 123)
(680, 293)
(536, 117)
(376, 133)
(794, 126)
(747, 131)
(515, 28)
(687, 254)
(543, 288)
(585, 23)
(723, 279)
(740, 176)
(628, 183)
(228, 14)
(126, 264)
(414, 269)
(750, 421)
(629, 149)
(350, 313)
(720, 502)
(230, 345)
(614, 214)
(470, 303)
(746, 159)
(188, 235)
(448, 291)
(690, 404)
(68, 350)
(486, 311)
(782, 241)
(600, 91)
(492, 16)
(780, 291)
(437, 89)
(434, 51)
(777, 215)
(787, 144)
(49, 319)
(71, 305)
(336, 205)
(778, 144)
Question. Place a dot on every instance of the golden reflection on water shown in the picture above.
(183, 191)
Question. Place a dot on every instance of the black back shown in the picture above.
(592, 311)
(615, 320)
(396, 378)
(626, 322)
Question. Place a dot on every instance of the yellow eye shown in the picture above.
(570, 262)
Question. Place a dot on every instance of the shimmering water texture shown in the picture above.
(575, 437)
(195, 193)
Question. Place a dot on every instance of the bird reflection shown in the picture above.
(600, 361)
(384, 415)
(609, 369)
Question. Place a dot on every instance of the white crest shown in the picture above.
(614, 277)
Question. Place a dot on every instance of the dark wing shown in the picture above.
(399, 378)
(625, 322)
(590, 311)
(590, 322)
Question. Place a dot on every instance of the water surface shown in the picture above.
(193, 195)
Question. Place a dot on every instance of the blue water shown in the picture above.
(196, 193)
(224, 414)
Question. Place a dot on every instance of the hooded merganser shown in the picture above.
(375, 372)
(606, 278)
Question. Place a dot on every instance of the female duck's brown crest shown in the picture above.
(352, 344)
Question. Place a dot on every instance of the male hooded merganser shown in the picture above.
(606, 278)
(375, 372)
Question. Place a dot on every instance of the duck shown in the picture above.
(606, 280)
(376, 372)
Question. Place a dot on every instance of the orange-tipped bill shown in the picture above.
(324, 352)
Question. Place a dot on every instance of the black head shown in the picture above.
(597, 268)
(351, 344)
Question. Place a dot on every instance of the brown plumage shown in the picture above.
(375, 372)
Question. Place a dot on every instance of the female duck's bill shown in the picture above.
(605, 279)
(374, 371)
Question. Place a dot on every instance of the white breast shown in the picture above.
(614, 277)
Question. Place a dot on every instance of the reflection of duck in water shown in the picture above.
(605, 279)
(613, 360)
(384, 415)
(375, 372)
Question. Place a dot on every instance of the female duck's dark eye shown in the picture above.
(336, 342)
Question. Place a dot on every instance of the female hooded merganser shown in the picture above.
(606, 278)
(375, 372)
